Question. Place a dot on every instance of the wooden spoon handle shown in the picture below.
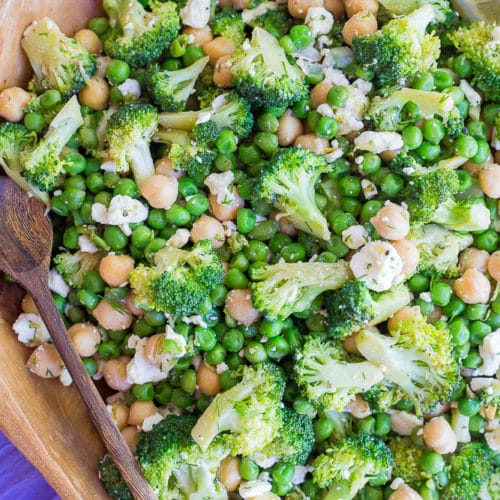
(110, 435)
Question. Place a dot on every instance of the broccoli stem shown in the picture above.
(141, 163)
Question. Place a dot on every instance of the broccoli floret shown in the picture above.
(390, 113)
(468, 215)
(170, 90)
(424, 194)
(283, 289)
(274, 21)
(342, 424)
(262, 73)
(439, 250)
(112, 479)
(295, 440)
(207, 96)
(288, 182)
(491, 489)
(400, 49)
(476, 43)
(354, 306)
(180, 280)
(348, 466)
(129, 132)
(407, 165)
(382, 396)
(250, 411)
(194, 158)
(229, 23)
(489, 395)
(232, 112)
(138, 36)
(407, 455)
(470, 469)
(59, 62)
(42, 166)
(419, 358)
(74, 266)
(312, 245)
(328, 378)
(15, 138)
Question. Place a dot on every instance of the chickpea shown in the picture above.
(354, 6)
(286, 226)
(405, 313)
(119, 414)
(439, 436)
(160, 191)
(154, 352)
(241, 4)
(229, 473)
(289, 128)
(222, 76)
(435, 314)
(225, 212)
(312, 142)
(336, 7)
(111, 319)
(240, 307)
(140, 410)
(472, 168)
(218, 47)
(89, 40)
(85, 337)
(489, 180)
(473, 258)
(359, 408)
(319, 93)
(27, 304)
(409, 254)
(473, 287)
(208, 228)
(208, 379)
(494, 265)
(497, 156)
(115, 269)
(389, 154)
(45, 361)
(361, 23)
(392, 222)
(12, 103)
(404, 492)
(131, 305)
(114, 372)
(299, 8)
(225, 3)
(131, 436)
(95, 93)
(350, 344)
(164, 166)
(201, 36)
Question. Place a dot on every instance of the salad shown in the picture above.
(276, 241)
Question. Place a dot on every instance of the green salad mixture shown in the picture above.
(276, 233)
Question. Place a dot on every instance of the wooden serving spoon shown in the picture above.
(25, 251)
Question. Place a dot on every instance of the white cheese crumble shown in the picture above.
(203, 117)
(300, 473)
(194, 320)
(109, 166)
(403, 423)
(250, 489)
(196, 13)
(221, 368)
(319, 20)
(122, 210)
(179, 238)
(493, 439)
(369, 189)
(149, 422)
(490, 354)
(249, 15)
(376, 142)
(355, 236)
(378, 265)
(130, 87)
(86, 245)
(470, 94)
(264, 462)
(57, 284)
(30, 329)
(221, 185)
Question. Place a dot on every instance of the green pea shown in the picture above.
(337, 96)
(441, 293)
(205, 338)
(369, 209)
(454, 308)
(466, 145)
(93, 166)
(425, 81)
(70, 238)
(442, 79)
(349, 186)
(34, 121)
(255, 352)
(233, 340)
(462, 66)
(99, 25)
(468, 406)
(412, 137)
(490, 112)
(245, 220)
(181, 398)
(267, 142)
(192, 54)
(249, 154)
(89, 299)
(95, 182)
(108, 349)
(143, 392)
(428, 151)
(226, 142)
(327, 127)
(323, 428)
(483, 152)
(235, 279)
(313, 117)
(90, 365)
(301, 35)
(188, 381)
(277, 347)
(477, 129)
(249, 470)
(142, 328)
(382, 424)
(366, 424)
(479, 330)
(476, 423)
(301, 108)
(371, 493)
(459, 332)
(337, 246)
(187, 187)
(216, 355)
(197, 204)
(425, 306)
(141, 236)
(154, 318)
(93, 282)
(476, 311)
(264, 230)
(177, 215)
(473, 360)
(163, 392)
(391, 184)
(115, 238)
(294, 252)
(371, 164)
(456, 93)
(117, 71)
(433, 131)
(431, 462)
(267, 122)
(287, 44)
(126, 187)
(339, 221)
(50, 99)
(465, 180)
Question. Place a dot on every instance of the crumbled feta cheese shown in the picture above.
(335, 76)
(30, 329)
(319, 20)
(309, 54)
(362, 85)
(196, 13)
(350, 116)
(221, 185)
(65, 377)
(57, 284)
(396, 483)
(425, 296)
(122, 210)
(300, 473)
(470, 94)
(109, 166)
(337, 57)
(355, 236)
(403, 423)
(130, 87)
(325, 109)
(378, 265)
(219, 101)
(249, 489)
(369, 189)
(249, 15)
(221, 368)
(179, 238)
(102, 65)
(203, 116)
(376, 142)
(333, 154)
(479, 383)
(86, 245)
(195, 320)
(489, 351)
(149, 422)
(493, 439)
(264, 462)
(460, 426)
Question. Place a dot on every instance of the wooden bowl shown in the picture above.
(46, 421)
